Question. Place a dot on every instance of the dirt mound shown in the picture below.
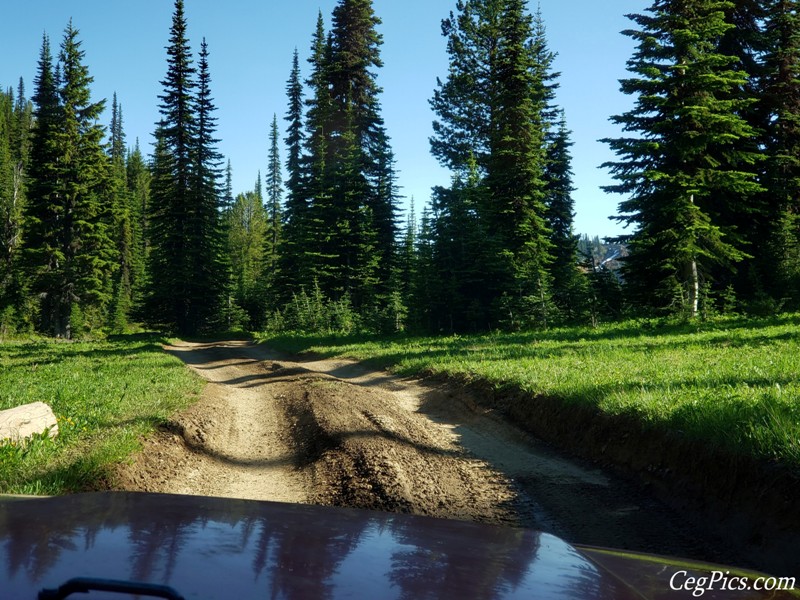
(366, 452)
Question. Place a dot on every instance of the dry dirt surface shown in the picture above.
(333, 432)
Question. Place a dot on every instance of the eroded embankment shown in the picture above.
(749, 503)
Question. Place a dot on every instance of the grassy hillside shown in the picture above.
(105, 394)
(734, 384)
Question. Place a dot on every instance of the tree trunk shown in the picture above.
(694, 284)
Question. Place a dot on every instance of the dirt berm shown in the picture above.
(334, 432)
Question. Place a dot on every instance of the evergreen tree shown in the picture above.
(493, 113)
(42, 245)
(170, 266)
(515, 174)
(69, 245)
(138, 178)
(354, 53)
(688, 165)
(341, 225)
(295, 208)
(227, 190)
(9, 215)
(569, 283)
(16, 122)
(274, 197)
(122, 227)
(186, 252)
(460, 299)
(781, 105)
(317, 255)
(206, 228)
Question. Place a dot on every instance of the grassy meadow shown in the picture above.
(732, 383)
(105, 394)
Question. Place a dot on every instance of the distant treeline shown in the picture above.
(94, 236)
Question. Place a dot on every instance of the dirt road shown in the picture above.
(333, 432)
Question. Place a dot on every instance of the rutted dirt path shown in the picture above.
(333, 432)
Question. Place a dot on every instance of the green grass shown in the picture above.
(105, 394)
(732, 384)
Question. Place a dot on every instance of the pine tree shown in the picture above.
(294, 133)
(9, 215)
(569, 283)
(16, 122)
(274, 196)
(355, 52)
(493, 113)
(295, 208)
(687, 166)
(186, 274)
(781, 105)
(456, 287)
(206, 228)
(227, 188)
(138, 177)
(120, 200)
(316, 255)
(170, 266)
(515, 174)
(42, 245)
(70, 250)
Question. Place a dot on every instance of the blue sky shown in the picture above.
(251, 44)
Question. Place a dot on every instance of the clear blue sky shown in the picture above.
(251, 44)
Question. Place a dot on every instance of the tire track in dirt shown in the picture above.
(334, 432)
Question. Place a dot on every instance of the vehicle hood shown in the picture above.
(239, 549)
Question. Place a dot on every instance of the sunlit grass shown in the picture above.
(731, 383)
(105, 395)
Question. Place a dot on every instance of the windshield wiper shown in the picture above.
(84, 585)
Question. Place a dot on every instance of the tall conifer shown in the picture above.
(185, 268)
(688, 166)
(493, 112)
(274, 195)
(69, 246)
(781, 105)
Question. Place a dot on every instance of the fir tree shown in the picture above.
(16, 122)
(781, 105)
(138, 177)
(206, 229)
(515, 173)
(493, 113)
(122, 227)
(9, 216)
(185, 256)
(569, 284)
(70, 250)
(688, 166)
(316, 254)
(43, 248)
(296, 205)
(274, 196)
(227, 189)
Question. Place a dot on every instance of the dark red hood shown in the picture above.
(237, 549)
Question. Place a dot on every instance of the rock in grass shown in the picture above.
(22, 422)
